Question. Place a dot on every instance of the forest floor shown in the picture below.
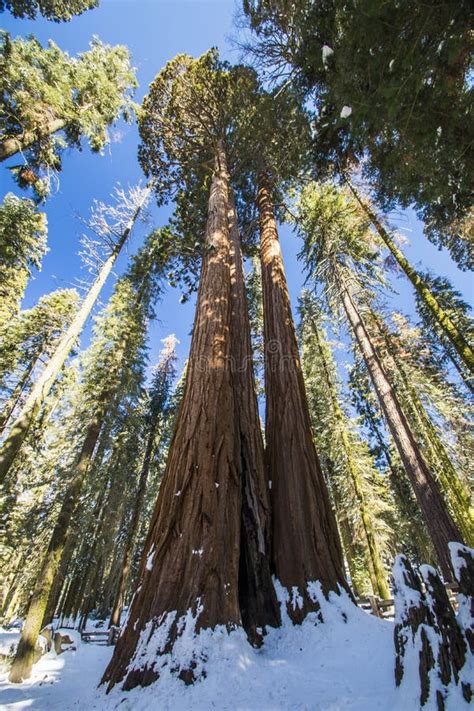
(336, 666)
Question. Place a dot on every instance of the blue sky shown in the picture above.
(155, 31)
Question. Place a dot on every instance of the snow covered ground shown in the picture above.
(335, 666)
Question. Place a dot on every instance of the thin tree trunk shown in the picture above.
(257, 597)
(441, 526)
(10, 146)
(43, 385)
(446, 325)
(305, 543)
(436, 455)
(133, 528)
(379, 577)
(23, 661)
(190, 565)
(14, 398)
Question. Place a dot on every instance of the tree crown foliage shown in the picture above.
(40, 85)
(56, 10)
(337, 239)
(390, 88)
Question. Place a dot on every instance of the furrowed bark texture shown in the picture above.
(438, 521)
(258, 603)
(190, 563)
(305, 539)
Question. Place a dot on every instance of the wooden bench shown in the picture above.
(385, 608)
(106, 637)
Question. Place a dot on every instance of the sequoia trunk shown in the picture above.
(305, 539)
(258, 603)
(441, 526)
(190, 566)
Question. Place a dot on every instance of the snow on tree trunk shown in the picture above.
(190, 566)
(305, 539)
(427, 636)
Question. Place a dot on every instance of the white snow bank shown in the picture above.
(335, 666)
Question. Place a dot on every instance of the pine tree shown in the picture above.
(112, 224)
(29, 340)
(404, 356)
(112, 359)
(341, 255)
(56, 10)
(410, 532)
(348, 464)
(50, 100)
(159, 396)
(441, 320)
(22, 245)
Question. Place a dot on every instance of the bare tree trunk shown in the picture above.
(39, 392)
(190, 565)
(10, 146)
(441, 526)
(446, 325)
(305, 545)
(257, 598)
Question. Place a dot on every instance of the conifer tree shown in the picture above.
(56, 10)
(29, 340)
(159, 396)
(50, 100)
(112, 360)
(214, 469)
(348, 464)
(442, 321)
(344, 259)
(112, 224)
(23, 233)
(411, 535)
(273, 151)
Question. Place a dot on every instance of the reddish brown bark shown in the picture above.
(438, 520)
(193, 546)
(258, 603)
(305, 545)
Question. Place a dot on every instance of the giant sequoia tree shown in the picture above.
(196, 570)
(344, 258)
(49, 100)
(309, 549)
